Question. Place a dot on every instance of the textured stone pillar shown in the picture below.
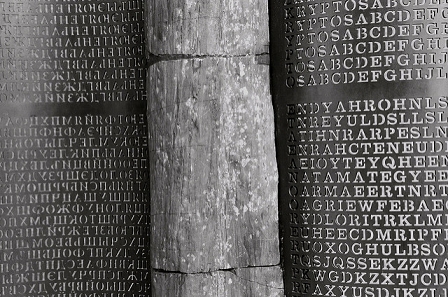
(212, 156)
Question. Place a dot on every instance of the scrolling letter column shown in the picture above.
(212, 155)
(361, 99)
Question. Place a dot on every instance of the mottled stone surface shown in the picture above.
(259, 282)
(204, 27)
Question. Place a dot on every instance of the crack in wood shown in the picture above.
(261, 58)
(232, 270)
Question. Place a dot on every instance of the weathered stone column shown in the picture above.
(213, 168)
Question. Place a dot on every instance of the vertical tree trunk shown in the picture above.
(213, 168)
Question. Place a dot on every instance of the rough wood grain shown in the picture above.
(259, 282)
(213, 169)
(204, 27)
(214, 186)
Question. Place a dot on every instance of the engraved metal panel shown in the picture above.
(74, 217)
(361, 97)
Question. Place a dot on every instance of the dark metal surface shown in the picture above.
(74, 217)
(360, 95)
